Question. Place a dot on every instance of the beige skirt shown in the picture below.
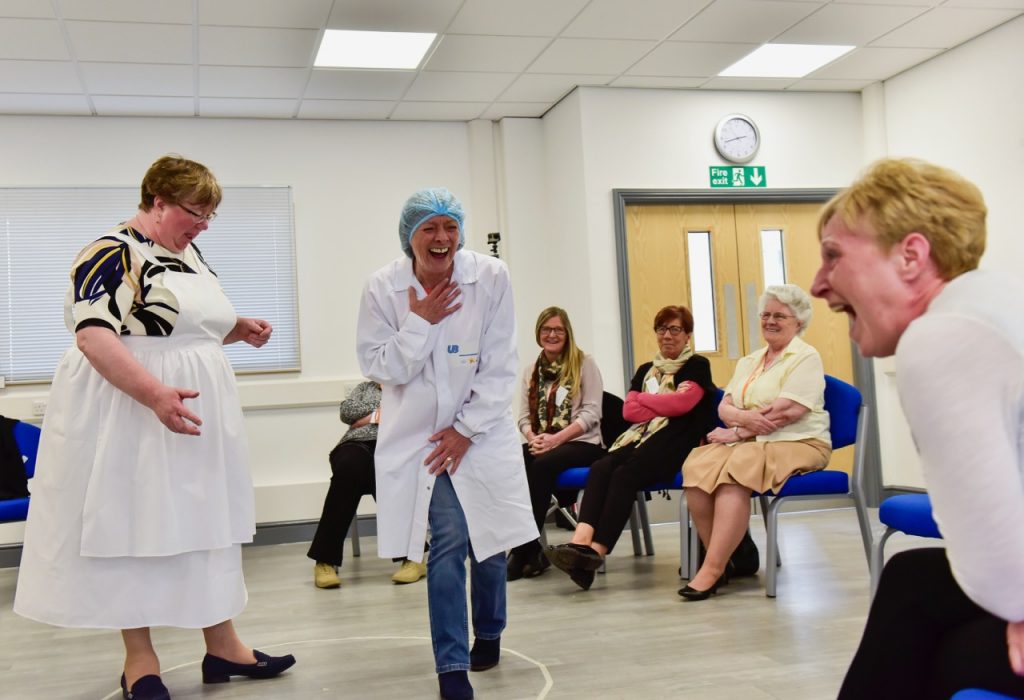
(758, 466)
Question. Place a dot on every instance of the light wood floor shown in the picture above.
(630, 636)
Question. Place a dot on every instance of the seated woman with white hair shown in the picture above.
(774, 408)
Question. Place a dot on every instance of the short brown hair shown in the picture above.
(177, 179)
(670, 313)
(901, 196)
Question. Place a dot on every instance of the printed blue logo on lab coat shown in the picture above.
(452, 349)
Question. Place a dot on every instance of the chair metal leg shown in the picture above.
(878, 559)
(645, 522)
(634, 529)
(689, 542)
(766, 506)
(771, 521)
(353, 533)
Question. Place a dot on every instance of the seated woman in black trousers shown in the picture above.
(670, 404)
(352, 477)
(560, 417)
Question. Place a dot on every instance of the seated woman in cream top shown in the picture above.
(774, 408)
(560, 417)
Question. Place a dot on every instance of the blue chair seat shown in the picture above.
(820, 483)
(910, 513)
(976, 694)
(27, 437)
(13, 509)
(573, 478)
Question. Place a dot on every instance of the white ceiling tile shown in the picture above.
(250, 109)
(170, 11)
(440, 87)
(345, 109)
(636, 19)
(944, 27)
(747, 84)
(591, 56)
(518, 18)
(750, 21)
(27, 8)
(691, 59)
(649, 81)
(295, 14)
(358, 84)
(138, 79)
(439, 111)
(848, 24)
(134, 106)
(393, 15)
(806, 85)
(500, 110)
(252, 46)
(131, 42)
(43, 104)
(38, 76)
(916, 3)
(987, 4)
(873, 63)
(495, 54)
(32, 39)
(235, 81)
(538, 87)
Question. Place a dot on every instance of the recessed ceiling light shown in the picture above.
(342, 48)
(785, 60)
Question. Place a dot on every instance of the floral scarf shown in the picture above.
(545, 416)
(662, 371)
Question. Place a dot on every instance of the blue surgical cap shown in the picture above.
(426, 204)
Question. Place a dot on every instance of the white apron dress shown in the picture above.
(131, 525)
(461, 372)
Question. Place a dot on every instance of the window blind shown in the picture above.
(250, 246)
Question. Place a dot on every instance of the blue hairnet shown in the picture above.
(426, 204)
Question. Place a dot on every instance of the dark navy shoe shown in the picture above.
(454, 685)
(218, 670)
(146, 688)
(484, 654)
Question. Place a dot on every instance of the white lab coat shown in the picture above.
(460, 372)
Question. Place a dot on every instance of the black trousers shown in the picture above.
(542, 474)
(925, 639)
(352, 477)
(612, 485)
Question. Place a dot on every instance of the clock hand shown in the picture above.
(736, 138)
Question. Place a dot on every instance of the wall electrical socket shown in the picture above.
(38, 408)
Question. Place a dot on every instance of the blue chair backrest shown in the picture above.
(27, 437)
(842, 401)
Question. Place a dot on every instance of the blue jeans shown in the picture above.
(446, 583)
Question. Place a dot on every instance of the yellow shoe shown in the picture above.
(325, 576)
(411, 572)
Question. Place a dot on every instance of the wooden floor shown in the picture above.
(630, 636)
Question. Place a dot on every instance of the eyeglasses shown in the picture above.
(560, 332)
(671, 330)
(196, 215)
(777, 316)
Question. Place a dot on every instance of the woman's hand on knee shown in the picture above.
(1015, 643)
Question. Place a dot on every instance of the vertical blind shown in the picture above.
(250, 246)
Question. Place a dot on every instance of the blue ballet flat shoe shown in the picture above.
(146, 688)
(218, 670)
(454, 685)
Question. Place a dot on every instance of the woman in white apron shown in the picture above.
(437, 331)
(140, 503)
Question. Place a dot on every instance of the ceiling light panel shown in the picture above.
(785, 60)
(343, 48)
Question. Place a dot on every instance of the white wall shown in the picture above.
(349, 181)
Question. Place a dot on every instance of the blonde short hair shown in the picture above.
(176, 180)
(901, 196)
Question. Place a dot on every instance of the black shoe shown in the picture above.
(454, 685)
(692, 594)
(568, 557)
(218, 670)
(583, 579)
(745, 559)
(536, 564)
(484, 654)
(146, 688)
(514, 565)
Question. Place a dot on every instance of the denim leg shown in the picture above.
(487, 592)
(446, 578)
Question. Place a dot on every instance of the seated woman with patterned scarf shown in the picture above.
(560, 417)
(670, 406)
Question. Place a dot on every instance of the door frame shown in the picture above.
(863, 368)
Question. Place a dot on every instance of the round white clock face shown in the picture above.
(737, 138)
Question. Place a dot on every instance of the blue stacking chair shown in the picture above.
(910, 514)
(27, 437)
(848, 421)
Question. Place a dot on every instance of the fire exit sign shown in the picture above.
(738, 176)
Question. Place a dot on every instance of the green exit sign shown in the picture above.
(738, 176)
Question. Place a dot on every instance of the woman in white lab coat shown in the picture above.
(437, 331)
